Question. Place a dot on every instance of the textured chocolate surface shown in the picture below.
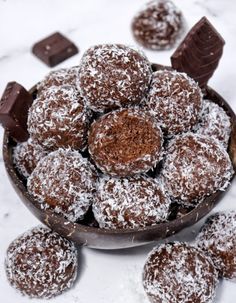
(194, 167)
(111, 76)
(179, 273)
(133, 202)
(26, 156)
(125, 142)
(199, 53)
(59, 118)
(41, 264)
(175, 100)
(158, 25)
(14, 106)
(64, 182)
(54, 49)
(218, 239)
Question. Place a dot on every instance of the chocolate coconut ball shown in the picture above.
(133, 202)
(112, 76)
(41, 264)
(195, 166)
(214, 122)
(64, 182)
(62, 76)
(59, 118)
(218, 239)
(179, 273)
(175, 100)
(125, 142)
(26, 156)
(158, 25)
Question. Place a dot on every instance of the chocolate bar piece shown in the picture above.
(200, 52)
(14, 106)
(54, 49)
(232, 146)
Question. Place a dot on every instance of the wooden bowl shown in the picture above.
(114, 239)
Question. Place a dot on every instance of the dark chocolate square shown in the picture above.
(14, 106)
(199, 53)
(54, 49)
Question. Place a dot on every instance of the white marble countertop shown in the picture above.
(105, 276)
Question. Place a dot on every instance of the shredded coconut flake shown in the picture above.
(214, 122)
(195, 166)
(65, 182)
(130, 202)
(179, 273)
(112, 76)
(41, 264)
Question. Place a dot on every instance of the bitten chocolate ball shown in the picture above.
(130, 202)
(195, 166)
(125, 142)
(214, 122)
(179, 273)
(64, 182)
(218, 239)
(59, 118)
(158, 25)
(26, 155)
(175, 100)
(112, 76)
(41, 264)
(59, 77)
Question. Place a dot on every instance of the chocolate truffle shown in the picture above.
(41, 264)
(218, 239)
(195, 166)
(59, 77)
(179, 273)
(175, 100)
(133, 202)
(59, 118)
(26, 155)
(125, 142)
(158, 25)
(65, 182)
(112, 76)
(214, 122)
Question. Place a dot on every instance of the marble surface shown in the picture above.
(105, 276)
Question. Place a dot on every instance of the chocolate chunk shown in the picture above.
(14, 106)
(232, 146)
(54, 49)
(155, 67)
(200, 52)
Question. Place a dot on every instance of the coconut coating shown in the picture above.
(41, 264)
(218, 239)
(112, 76)
(133, 202)
(59, 118)
(158, 25)
(214, 122)
(26, 156)
(125, 142)
(175, 100)
(195, 166)
(179, 273)
(59, 77)
(64, 182)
